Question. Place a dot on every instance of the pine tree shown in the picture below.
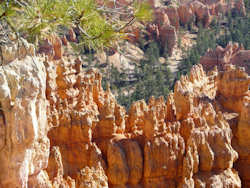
(99, 26)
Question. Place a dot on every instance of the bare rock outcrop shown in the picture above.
(233, 53)
(92, 177)
(186, 14)
(196, 11)
(234, 95)
(199, 137)
(167, 19)
(173, 16)
(52, 47)
(185, 141)
(209, 144)
(201, 12)
(73, 114)
(242, 144)
(55, 170)
(204, 11)
(124, 156)
(162, 30)
(24, 145)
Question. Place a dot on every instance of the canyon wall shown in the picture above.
(59, 128)
(198, 137)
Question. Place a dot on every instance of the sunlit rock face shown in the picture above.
(24, 145)
(185, 141)
(233, 95)
(198, 137)
(233, 54)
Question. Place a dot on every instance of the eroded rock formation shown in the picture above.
(185, 141)
(24, 145)
(199, 137)
(167, 19)
(231, 54)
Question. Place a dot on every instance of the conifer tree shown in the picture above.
(99, 26)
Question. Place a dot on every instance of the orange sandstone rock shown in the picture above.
(24, 145)
(173, 16)
(186, 14)
(201, 12)
(231, 54)
(191, 140)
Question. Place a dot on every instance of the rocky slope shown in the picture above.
(59, 128)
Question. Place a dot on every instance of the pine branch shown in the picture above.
(40, 18)
(127, 24)
(86, 34)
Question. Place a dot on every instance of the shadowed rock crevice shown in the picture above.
(2, 129)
